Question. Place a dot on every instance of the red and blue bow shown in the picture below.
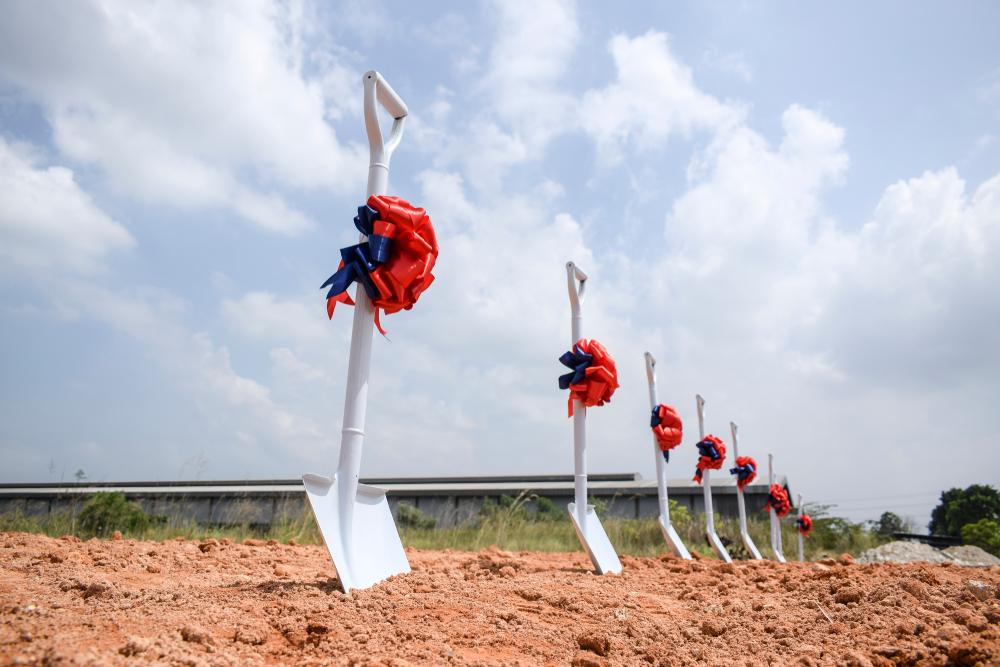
(712, 452)
(361, 259)
(805, 524)
(745, 471)
(667, 428)
(777, 499)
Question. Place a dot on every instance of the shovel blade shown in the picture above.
(595, 541)
(751, 547)
(377, 552)
(718, 547)
(677, 547)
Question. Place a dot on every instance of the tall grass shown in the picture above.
(300, 526)
(509, 526)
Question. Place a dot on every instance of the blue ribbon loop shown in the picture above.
(655, 421)
(577, 360)
(742, 472)
(707, 448)
(361, 259)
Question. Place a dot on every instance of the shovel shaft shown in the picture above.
(573, 273)
(661, 467)
(739, 492)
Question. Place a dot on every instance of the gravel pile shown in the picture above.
(904, 552)
(971, 556)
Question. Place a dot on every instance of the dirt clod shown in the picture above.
(595, 641)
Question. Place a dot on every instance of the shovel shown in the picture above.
(779, 552)
(802, 546)
(747, 542)
(588, 527)
(706, 483)
(354, 518)
(669, 534)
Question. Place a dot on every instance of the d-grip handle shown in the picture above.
(378, 90)
(650, 368)
(573, 273)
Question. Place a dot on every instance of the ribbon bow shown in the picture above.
(777, 499)
(745, 471)
(805, 524)
(712, 453)
(393, 264)
(667, 428)
(594, 376)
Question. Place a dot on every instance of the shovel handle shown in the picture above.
(574, 274)
(651, 370)
(378, 90)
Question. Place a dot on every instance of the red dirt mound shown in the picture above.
(121, 602)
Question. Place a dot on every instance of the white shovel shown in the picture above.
(779, 552)
(706, 483)
(588, 527)
(669, 534)
(747, 542)
(802, 546)
(355, 519)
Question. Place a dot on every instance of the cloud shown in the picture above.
(47, 222)
(190, 104)
(259, 316)
(653, 97)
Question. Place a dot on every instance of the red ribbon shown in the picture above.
(670, 429)
(778, 499)
(407, 273)
(601, 381)
(707, 462)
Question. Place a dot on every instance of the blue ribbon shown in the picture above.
(707, 448)
(361, 259)
(655, 420)
(577, 360)
(742, 472)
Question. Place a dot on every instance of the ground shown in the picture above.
(122, 602)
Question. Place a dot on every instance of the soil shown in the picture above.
(121, 602)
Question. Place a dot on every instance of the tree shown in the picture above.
(888, 524)
(960, 508)
(984, 534)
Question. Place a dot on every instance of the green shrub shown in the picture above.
(108, 511)
(984, 534)
(409, 516)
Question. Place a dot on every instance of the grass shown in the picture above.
(508, 525)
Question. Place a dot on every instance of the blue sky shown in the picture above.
(795, 208)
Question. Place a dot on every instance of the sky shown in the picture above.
(795, 208)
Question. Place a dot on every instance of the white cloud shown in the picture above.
(191, 104)
(258, 315)
(47, 223)
(653, 97)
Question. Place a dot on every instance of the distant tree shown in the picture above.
(80, 475)
(888, 524)
(959, 508)
(984, 534)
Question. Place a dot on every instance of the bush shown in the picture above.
(960, 508)
(888, 524)
(984, 534)
(409, 516)
(108, 511)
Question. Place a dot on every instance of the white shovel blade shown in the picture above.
(378, 552)
(677, 547)
(595, 541)
(718, 547)
(751, 547)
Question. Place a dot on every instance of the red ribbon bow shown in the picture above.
(407, 272)
(602, 377)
